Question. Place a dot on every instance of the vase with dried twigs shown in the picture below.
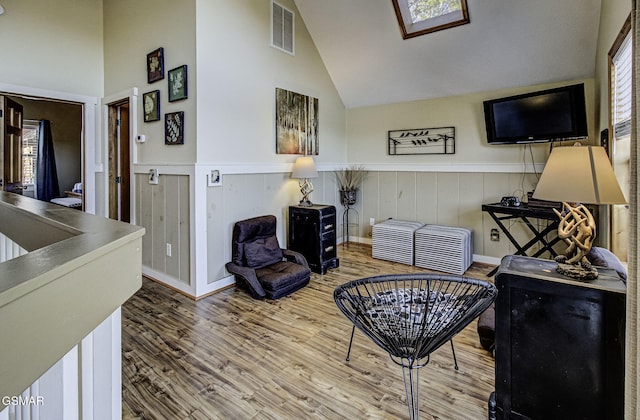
(349, 181)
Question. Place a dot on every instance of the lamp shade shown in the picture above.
(579, 174)
(304, 167)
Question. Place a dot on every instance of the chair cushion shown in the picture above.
(262, 252)
(602, 257)
(282, 275)
(487, 328)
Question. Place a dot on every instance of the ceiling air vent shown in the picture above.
(282, 28)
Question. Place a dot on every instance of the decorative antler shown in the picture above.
(577, 229)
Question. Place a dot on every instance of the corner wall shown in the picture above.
(232, 75)
(238, 74)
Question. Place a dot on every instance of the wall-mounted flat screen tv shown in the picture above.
(547, 115)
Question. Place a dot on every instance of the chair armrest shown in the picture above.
(248, 275)
(296, 257)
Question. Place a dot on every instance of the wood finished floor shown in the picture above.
(229, 356)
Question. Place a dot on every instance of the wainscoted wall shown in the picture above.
(197, 220)
(164, 211)
(445, 198)
(242, 196)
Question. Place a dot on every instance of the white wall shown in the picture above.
(612, 18)
(238, 73)
(132, 29)
(368, 127)
(53, 45)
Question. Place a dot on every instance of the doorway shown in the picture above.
(119, 146)
(11, 117)
(23, 114)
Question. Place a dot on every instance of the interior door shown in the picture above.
(11, 116)
(119, 162)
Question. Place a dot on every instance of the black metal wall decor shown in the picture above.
(423, 141)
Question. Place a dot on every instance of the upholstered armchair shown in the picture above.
(260, 265)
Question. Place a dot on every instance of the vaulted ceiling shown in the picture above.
(509, 43)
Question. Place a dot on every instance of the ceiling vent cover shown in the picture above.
(282, 28)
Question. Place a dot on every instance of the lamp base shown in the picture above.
(306, 187)
(577, 271)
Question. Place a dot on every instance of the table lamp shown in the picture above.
(578, 175)
(303, 169)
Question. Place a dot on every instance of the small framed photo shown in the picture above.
(174, 128)
(151, 103)
(155, 65)
(178, 83)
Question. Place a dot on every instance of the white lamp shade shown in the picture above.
(304, 167)
(579, 174)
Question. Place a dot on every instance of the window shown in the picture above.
(620, 71)
(30, 130)
(419, 17)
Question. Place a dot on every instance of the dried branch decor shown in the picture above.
(350, 178)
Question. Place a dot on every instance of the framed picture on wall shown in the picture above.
(174, 128)
(178, 83)
(296, 123)
(151, 103)
(155, 65)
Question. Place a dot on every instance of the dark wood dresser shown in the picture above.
(559, 343)
(312, 232)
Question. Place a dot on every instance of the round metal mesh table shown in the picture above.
(411, 315)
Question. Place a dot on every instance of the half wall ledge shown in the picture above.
(77, 270)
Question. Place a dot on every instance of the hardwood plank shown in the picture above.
(230, 356)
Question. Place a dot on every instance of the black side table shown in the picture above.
(312, 232)
(559, 343)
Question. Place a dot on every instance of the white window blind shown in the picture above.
(29, 152)
(621, 90)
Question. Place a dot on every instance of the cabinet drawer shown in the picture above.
(328, 225)
(328, 245)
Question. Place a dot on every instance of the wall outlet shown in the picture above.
(495, 235)
(372, 221)
(168, 249)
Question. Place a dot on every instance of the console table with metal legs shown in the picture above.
(500, 213)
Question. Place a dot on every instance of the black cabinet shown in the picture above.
(312, 232)
(559, 343)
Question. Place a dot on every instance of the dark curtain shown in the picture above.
(46, 174)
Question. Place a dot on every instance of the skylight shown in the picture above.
(419, 17)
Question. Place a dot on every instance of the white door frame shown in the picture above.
(90, 135)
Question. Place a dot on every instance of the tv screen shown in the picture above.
(553, 114)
